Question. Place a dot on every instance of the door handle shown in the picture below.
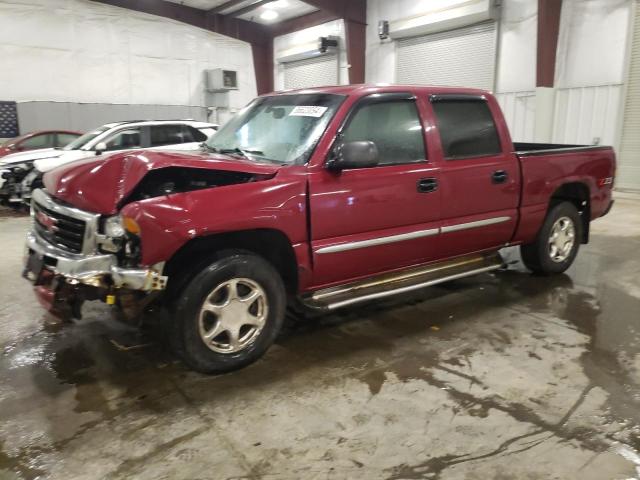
(426, 185)
(499, 176)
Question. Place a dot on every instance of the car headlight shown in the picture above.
(113, 227)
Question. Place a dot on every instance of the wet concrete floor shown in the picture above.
(499, 376)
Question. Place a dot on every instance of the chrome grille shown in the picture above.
(61, 230)
(63, 226)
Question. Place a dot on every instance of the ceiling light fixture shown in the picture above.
(269, 15)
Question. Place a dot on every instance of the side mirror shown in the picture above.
(359, 154)
(100, 147)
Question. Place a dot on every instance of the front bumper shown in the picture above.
(100, 270)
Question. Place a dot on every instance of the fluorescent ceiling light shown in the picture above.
(269, 15)
(279, 4)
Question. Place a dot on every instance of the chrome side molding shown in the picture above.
(476, 224)
(379, 241)
(343, 247)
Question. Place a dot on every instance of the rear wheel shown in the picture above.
(557, 243)
(230, 313)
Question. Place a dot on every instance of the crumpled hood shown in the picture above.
(99, 184)
(29, 156)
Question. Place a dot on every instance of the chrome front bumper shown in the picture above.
(99, 270)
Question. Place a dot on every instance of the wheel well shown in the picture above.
(272, 245)
(578, 194)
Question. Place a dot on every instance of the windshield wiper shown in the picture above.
(207, 147)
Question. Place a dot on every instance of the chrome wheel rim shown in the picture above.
(233, 315)
(562, 239)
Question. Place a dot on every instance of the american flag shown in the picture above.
(8, 120)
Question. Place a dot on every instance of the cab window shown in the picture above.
(394, 126)
(466, 128)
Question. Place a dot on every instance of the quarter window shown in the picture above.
(466, 128)
(394, 126)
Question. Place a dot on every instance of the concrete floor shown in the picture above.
(493, 377)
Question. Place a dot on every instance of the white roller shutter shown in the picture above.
(464, 57)
(628, 175)
(312, 72)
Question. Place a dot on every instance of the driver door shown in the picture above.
(371, 220)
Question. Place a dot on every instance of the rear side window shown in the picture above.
(466, 128)
(193, 134)
(395, 128)
(169, 135)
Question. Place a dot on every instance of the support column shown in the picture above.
(263, 65)
(356, 36)
(548, 30)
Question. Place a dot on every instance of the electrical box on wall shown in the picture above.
(219, 80)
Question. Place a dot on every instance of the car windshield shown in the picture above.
(281, 128)
(82, 140)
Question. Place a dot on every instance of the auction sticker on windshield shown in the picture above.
(308, 111)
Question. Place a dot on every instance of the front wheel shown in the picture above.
(230, 313)
(557, 243)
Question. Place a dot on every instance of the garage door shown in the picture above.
(463, 57)
(628, 175)
(313, 72)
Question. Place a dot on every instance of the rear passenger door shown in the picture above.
(480, 177)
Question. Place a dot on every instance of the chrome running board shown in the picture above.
(401, 282)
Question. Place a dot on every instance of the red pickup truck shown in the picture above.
(321, 198)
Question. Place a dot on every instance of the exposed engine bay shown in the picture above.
(169, 180)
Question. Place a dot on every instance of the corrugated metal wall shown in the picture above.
(85, 116)
(587, 115)
(629, 155)
(464, 57)
(312, 72)
(519, 109)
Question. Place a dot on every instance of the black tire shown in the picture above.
(537, 255)
(228, 265)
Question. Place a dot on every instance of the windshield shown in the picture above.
(281, 129)
(84, 139)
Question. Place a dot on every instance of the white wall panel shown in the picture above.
(586, 115)
(519, 109)
(518, 34)
(81, 51)
(592, 42)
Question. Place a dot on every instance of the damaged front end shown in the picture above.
(11, 177)
(72, 256)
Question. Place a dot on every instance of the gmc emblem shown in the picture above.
(49, 223)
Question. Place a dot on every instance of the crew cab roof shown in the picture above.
(366, 89)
